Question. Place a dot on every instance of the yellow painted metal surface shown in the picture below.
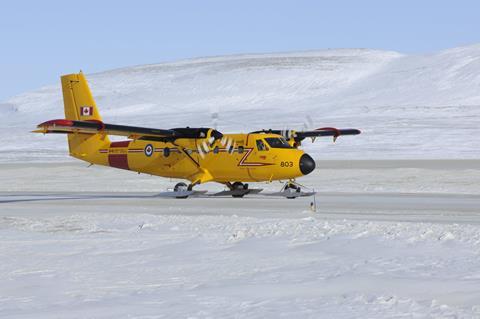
(183, 158)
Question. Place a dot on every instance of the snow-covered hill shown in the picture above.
(408, 106)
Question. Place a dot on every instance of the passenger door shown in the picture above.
(259, 159)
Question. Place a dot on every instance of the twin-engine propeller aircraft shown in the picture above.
(198, 155)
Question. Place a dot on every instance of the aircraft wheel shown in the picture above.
(181, 187)
(292, 188)
(239, 186)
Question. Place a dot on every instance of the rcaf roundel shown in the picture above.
(86, 110)
(148, 150)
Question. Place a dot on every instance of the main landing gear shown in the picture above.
(238, 189)
(182, 187)
(182, 190)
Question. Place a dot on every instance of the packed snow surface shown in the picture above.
(99, 243)
(407, 106)
(91, 264)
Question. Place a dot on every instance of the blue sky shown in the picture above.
(40, 40)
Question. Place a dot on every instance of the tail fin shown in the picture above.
(77, 99)
(80, 106)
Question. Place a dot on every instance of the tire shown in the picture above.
(181, 187)
(239, 186)
(292, 188)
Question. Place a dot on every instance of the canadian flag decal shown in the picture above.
(86, 110)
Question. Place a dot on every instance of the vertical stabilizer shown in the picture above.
(77, 98)
(80, 106)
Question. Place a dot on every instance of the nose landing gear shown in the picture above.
(291, 190)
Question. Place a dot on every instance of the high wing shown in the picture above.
(132, 132)
(299, 136)
(324, 131)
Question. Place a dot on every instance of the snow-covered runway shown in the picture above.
(97, 242)
(372, 206)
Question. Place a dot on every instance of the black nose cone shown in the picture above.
(307, 164)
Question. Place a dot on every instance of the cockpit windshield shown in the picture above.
(277, 142)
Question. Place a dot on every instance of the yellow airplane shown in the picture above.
(198, 155)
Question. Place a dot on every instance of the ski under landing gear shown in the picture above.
(182, 190)
(238, 190)
(292, 190)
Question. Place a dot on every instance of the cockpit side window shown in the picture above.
(261, 146)
(276, 142)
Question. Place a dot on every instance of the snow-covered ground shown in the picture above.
(97, 242)
(407, 106)
(89, 264)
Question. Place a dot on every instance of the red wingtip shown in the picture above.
(58, 122)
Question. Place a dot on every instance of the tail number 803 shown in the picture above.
(286, 164)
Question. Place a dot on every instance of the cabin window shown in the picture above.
(277, 142)
(261, 146)
(166, 152)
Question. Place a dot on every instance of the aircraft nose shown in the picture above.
(307, 164)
